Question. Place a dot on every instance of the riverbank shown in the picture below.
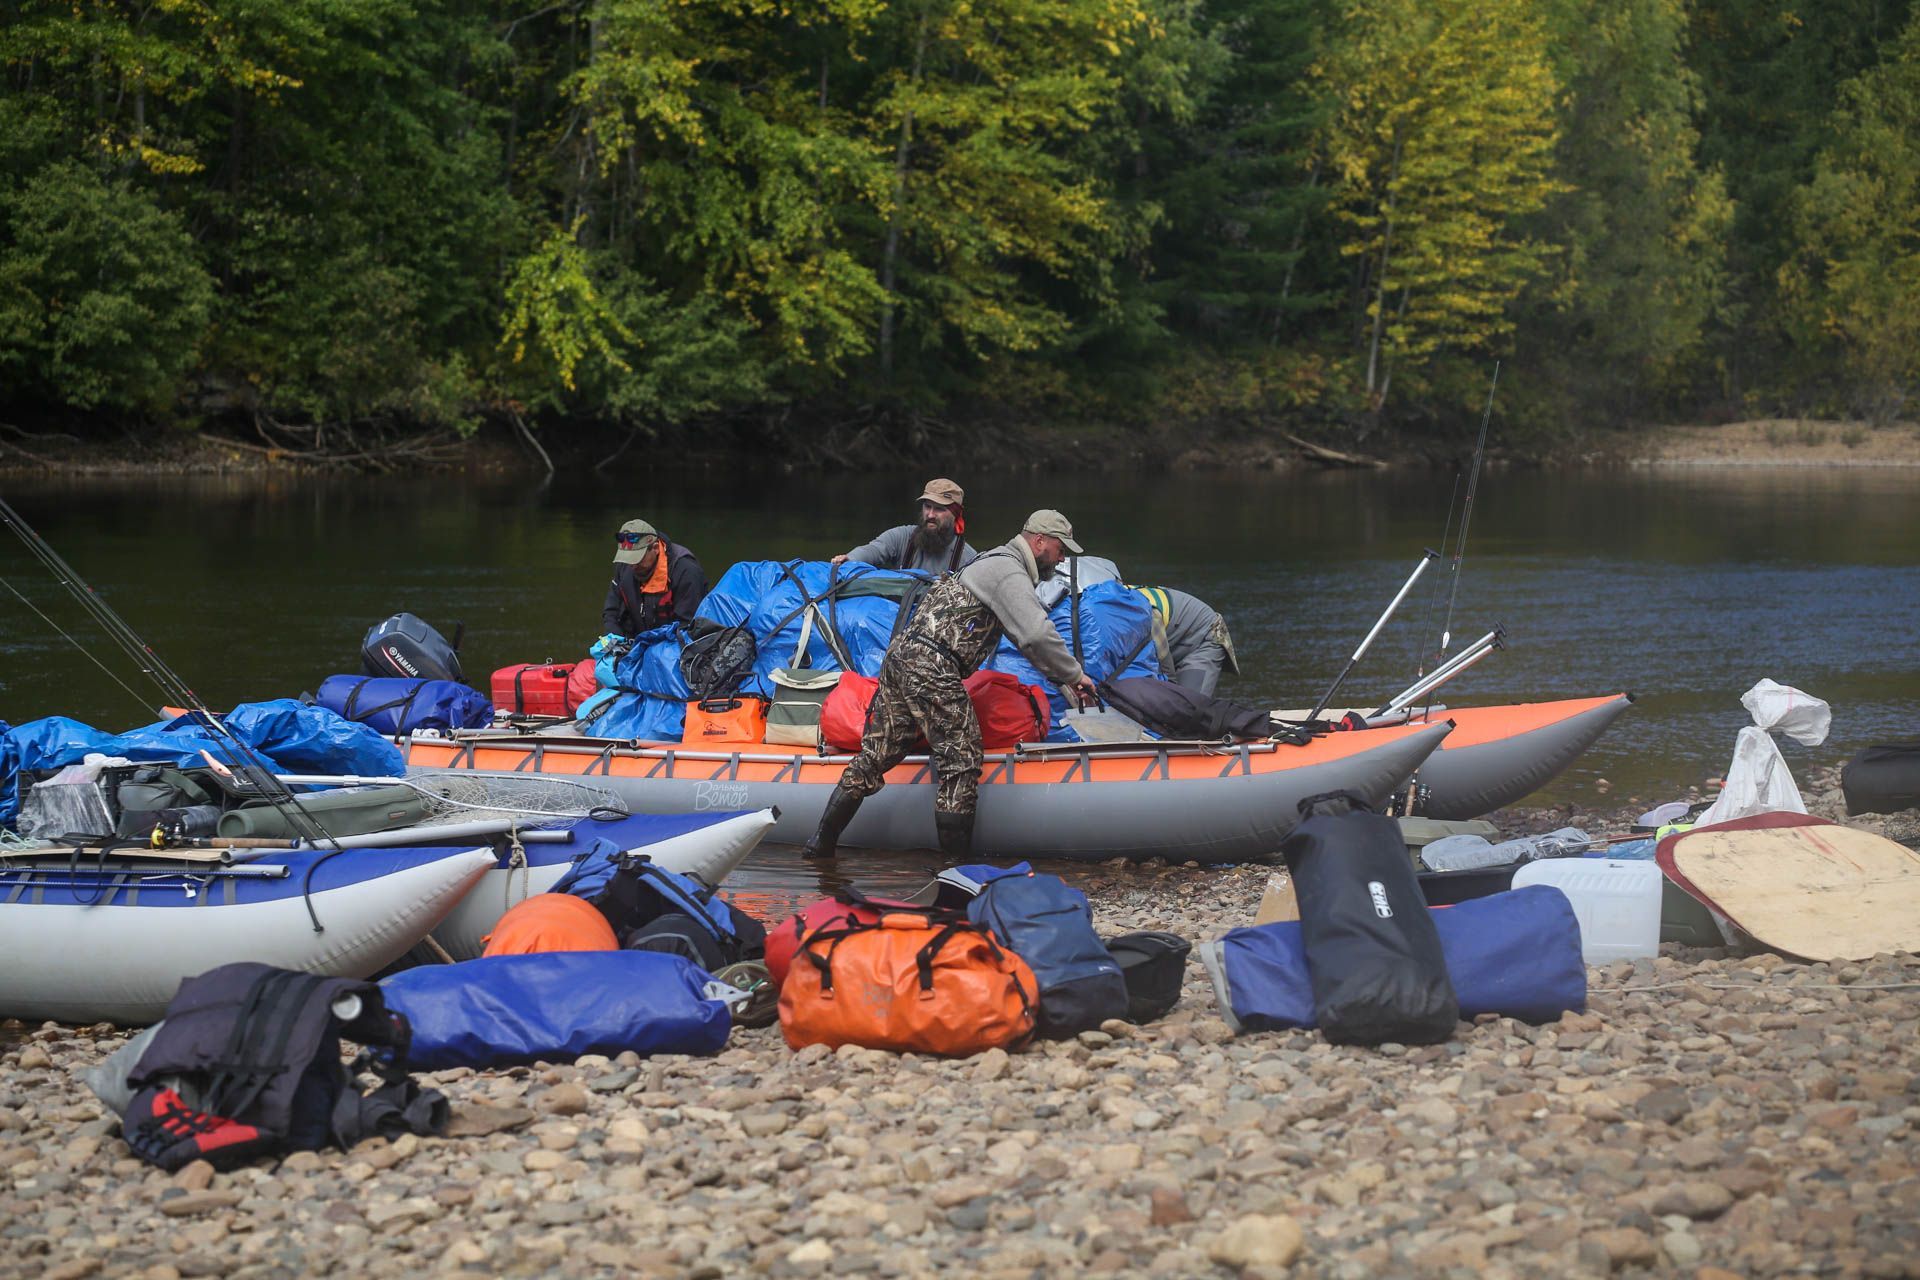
(1771, 442)
(1711, 1114)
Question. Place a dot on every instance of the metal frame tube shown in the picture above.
(1467, 657)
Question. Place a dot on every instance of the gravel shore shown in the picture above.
(1711, 1114)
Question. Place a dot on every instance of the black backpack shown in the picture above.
(1175, 711)
(717, 660)
(247, 1063)
(1154, 964)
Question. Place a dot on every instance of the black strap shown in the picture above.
(1073, 609)
(940, 647)
(405, 704)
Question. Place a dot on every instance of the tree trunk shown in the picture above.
(1380, 283)
(890, 256)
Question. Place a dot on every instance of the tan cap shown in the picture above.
(944, 492)
(635, 538)
(1052, 522)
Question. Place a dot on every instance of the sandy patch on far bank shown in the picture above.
(1779, 442)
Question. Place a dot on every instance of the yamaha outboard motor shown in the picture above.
(406, 647)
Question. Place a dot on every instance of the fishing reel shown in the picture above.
(1410, 803)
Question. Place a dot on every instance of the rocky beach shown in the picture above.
(1711, 1114)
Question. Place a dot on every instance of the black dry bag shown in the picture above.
(1372, 951)
(1884, 778)
(1175, 711)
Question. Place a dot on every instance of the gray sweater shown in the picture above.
(1003, 580)
(896, 549)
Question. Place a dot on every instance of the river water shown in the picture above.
(1684, 586)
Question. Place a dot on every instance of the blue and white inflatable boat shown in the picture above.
(93, 938)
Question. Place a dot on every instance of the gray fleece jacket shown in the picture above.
(1003, 580)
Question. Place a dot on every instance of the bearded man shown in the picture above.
(934, 544)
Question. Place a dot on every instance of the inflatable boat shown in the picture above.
(707, 845)
(109, 939)
(1202, 802)
(1498, 755)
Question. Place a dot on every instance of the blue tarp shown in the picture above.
(765, 595)
(290, 736)
(1116, 639)
(554, 1007)
(1516, 954)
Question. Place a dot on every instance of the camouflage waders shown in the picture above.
(921, 690)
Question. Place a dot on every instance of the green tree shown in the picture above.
(1852, 287)
(1439, 144)
(103, 302)
(1642, 224)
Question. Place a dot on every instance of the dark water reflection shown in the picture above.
(1683, 586)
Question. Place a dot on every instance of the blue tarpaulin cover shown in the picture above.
(555, 1006)
(1516, 954)
(1116, 639)
(290, 736)
(765, 594)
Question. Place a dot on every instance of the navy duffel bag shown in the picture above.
(1047, 923)
(393, 706)
(1516, 954)
(555, 1006)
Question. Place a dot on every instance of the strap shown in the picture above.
(1073, 609)
(806, 634)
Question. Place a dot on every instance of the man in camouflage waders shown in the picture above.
(956, 628)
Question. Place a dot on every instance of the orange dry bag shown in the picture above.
(551, 922)
(727, 721)
(910, 983)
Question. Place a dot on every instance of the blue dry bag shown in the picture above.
(554, 1007)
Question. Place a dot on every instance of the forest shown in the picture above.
(601, 219)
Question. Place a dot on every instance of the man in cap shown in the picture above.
(1190, 639)
(936, 543)
(655, 580)
(955, 629)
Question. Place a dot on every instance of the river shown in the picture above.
(1684, 586)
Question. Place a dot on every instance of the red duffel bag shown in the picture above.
(582, 684)
(1009, 712)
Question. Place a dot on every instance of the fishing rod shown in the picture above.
(172, 687)
(1428, 558)
(1466, 515)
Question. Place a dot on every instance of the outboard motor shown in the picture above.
(406, 647)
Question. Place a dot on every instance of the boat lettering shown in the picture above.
(720, 795)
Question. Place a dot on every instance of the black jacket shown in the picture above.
(629, 611)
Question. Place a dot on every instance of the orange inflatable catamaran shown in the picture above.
(1204, 802)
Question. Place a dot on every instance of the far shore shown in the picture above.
(1758, 443)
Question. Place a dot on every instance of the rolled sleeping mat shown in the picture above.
(348, 811)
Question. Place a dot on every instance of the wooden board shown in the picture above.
(1802, 885)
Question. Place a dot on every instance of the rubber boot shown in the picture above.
(956, 835)
(841, 806)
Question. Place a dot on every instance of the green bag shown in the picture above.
(799, 693)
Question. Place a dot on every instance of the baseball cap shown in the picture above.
(634, 539)
(944, 492)
(1052, 522)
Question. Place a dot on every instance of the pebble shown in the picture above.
(1745, 1116)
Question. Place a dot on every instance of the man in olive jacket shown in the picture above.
(655, 580)
(956, 629)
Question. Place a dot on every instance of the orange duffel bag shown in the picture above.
(911, 982)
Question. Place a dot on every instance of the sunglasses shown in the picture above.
(633, 539)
